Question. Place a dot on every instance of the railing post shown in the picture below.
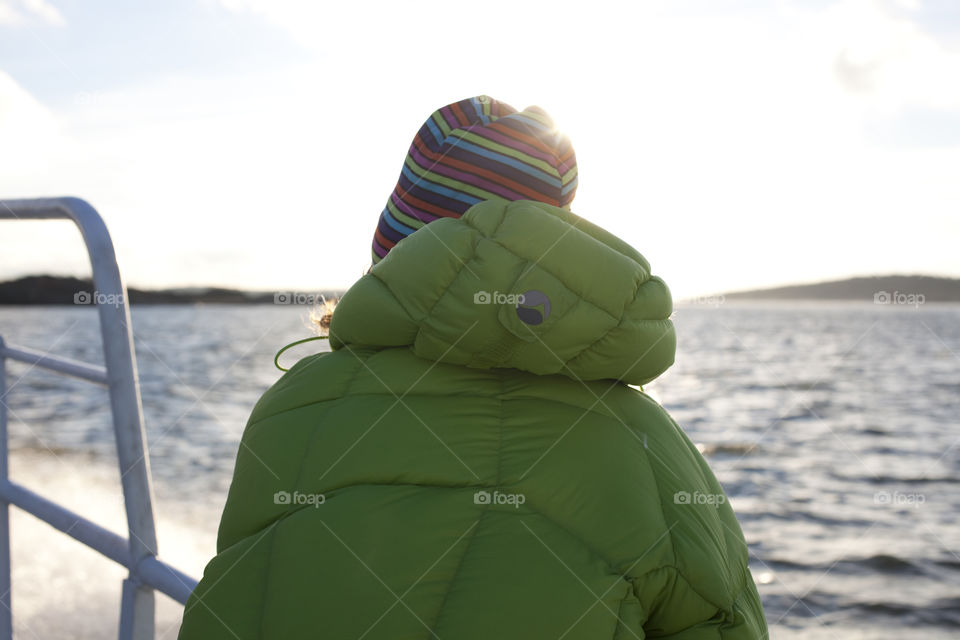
(6, 615)
(136, 610)
(138, 551)
(124, 386)
(122, 383)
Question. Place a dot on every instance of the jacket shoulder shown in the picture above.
(629, 482)
(316, 378)
(707, 581)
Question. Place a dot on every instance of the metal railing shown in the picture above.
(138, 551)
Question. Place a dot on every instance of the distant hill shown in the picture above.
(891, 288)
(66, 290)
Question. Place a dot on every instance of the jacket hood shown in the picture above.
(521, 285)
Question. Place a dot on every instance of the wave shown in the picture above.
(880, 563)
(895, 480)
(830, 608)
(943, 612)
(728, 448)
(799, 385)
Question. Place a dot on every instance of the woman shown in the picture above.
(470, 461)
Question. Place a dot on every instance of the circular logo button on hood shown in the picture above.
(529, 307)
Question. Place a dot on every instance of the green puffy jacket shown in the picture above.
(468, 463)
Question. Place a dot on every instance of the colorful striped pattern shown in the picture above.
(474, 150)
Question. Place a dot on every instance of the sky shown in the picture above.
(253, 143)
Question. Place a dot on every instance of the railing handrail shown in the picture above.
(163, 577)
(67, 366)
(120, 377)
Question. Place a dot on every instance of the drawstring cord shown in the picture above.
(276, 358)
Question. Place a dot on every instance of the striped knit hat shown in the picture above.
(475, 150)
